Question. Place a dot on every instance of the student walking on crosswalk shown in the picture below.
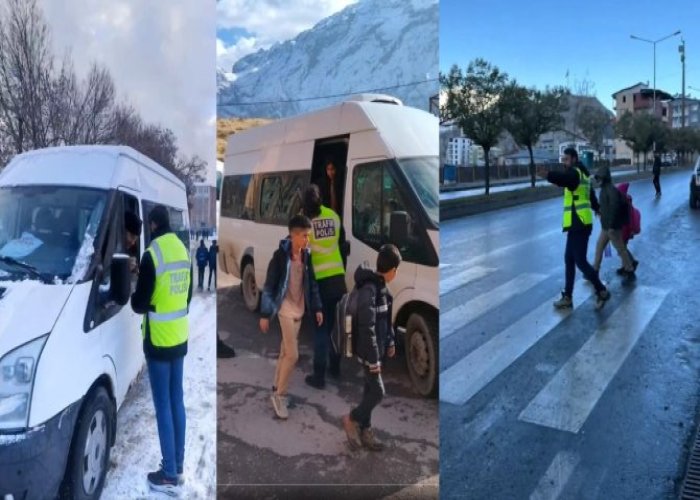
(579, 199)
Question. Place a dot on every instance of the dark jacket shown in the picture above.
(374, 330)
(612, 216)
(141, 304)
(213, 252)
(277, 282)
(202, 255)
(569, 179)
(656, 169)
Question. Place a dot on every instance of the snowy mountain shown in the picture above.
(373, 45)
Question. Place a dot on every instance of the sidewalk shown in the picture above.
(478, 188)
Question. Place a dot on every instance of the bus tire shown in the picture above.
(249, 288)
(422, 353)
(89, 456)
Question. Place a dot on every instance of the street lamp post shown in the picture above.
(654, 42)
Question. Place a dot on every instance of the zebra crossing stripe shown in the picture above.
(556, 477)
(459, 280)
(462, 315)
(460, 382)
(568, 399)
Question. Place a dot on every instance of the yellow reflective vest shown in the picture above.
(325, 245)
(578, 200)
(167, 321)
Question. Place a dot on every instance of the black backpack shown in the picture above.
(345, 324)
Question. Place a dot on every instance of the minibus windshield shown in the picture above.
(47, 232)
(422, 174)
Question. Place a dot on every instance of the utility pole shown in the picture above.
(681, 49)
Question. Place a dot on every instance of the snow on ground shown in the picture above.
(137, 450)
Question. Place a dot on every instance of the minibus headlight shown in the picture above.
(17, 371)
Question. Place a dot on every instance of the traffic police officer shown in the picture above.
(327, 238)
(163, 294)
(579, 204)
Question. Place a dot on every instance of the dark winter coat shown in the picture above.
(202, 255)
(656, 169)
(213, 252)
(277, 282)
(612, 215)
(374, 330)
(569, 179)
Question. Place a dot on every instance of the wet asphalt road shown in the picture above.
(590, 405)
(306, 456)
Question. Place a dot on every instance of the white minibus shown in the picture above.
(386, 157)
(70, 344)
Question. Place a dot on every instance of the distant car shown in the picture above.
(695, 186)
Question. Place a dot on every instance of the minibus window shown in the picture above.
(377, 193)
(422, 174)
(48, 232)
(281, 197)
(237, 197)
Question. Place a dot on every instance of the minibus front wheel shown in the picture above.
(249, 287)
(421, 348)
(89, 458)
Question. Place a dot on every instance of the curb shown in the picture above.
(472, 205)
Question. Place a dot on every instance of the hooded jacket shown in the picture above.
(277, 282)
(612, 215)
(202, 255)
(375, 331)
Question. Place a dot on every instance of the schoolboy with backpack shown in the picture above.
(364, 330)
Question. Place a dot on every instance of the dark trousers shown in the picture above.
(212, 271)
(657, 183)
(324, 354)
(201, 276)
(168, 399)
(576, 256)
(371, 396)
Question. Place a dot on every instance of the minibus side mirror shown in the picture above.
(120, 279)
(398, 229)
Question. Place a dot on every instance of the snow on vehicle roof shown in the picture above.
(89, 166)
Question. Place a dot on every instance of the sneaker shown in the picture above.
(369, 441)
(635, 263)
(315, 382)
(352, 431)
(601, 298)
(157, 481)
(565, 302)
(280, 406)
(180, 475)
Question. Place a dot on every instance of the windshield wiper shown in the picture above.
(23, 265)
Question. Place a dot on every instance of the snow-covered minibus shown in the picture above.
(70, 344)
(386, 157)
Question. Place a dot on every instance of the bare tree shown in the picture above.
(26, 66)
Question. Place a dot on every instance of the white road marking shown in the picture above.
(556, 477)
(568, 399)
(456, 318)
(454, 281)
(460, 382)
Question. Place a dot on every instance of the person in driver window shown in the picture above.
(132, 226)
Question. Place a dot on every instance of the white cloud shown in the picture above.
(269, 21)
(226, 56)
(162, 56)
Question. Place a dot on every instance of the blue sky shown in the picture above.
(537, 41)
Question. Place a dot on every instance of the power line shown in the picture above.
(345, 94)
